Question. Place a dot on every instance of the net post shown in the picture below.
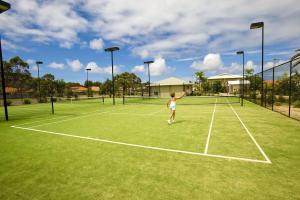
(123, 99)
(52, 104)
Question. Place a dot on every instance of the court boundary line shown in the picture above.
(210, 128)
(251, 136)
(143, 146)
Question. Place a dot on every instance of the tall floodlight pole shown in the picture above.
(243, 86)
(3, 7)
(148, 63)
(111, 50)
(87, 80)
(256, 26)
(38, 63)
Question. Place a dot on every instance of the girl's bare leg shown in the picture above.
(173, 115)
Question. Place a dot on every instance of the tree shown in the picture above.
(17, 74)
(202, 82)
(128, 82)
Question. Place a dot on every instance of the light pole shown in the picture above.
(87, 80)
(148, 63)
(3, 7)
(38, 63)
(111, 50)
(256, 26)
(243, 89)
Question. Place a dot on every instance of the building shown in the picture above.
(232, 83)
(164, 87)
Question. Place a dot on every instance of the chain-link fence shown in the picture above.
(281, 88)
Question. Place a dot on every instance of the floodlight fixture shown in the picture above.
(148, 63)
(261, 25)
(4, 6)
(111, 50)
(243, 83)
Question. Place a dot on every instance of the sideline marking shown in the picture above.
(144, 147)
(251, 136)
(210, 127)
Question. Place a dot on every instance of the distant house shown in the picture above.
(231, 82)
(164, 87)
(11, 90)
(95, 89)
(79, 89)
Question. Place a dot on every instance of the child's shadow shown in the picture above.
(179, 121)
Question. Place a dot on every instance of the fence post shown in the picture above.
(273, 84)
(52, 106)
(290, 89)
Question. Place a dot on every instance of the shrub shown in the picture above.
(43, 100)
(281, 99)
(296, 104)
(8, 102)
(27, 101)
(277, 103)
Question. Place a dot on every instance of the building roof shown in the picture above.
(171, 81)
(225, 76)
(78, 89)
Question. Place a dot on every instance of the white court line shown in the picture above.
(145, 147)
(56, 122)
(251, 136)
(210, 127)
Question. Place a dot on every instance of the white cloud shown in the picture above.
(168, 28)
(75, 65)
(159, 67)
(30, 61)
(102, 70)
(138, 69)
(44, 21)
(55, 65)
(96, 44)
(211, 62)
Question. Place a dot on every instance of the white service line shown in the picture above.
(60, 117)
(251, 136)
(210, 127)
(55, 122)
(143, 146)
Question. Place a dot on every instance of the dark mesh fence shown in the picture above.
(295, 89)
(281, 88)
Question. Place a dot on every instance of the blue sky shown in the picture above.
(181, 36)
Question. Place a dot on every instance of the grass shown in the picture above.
(40, 165)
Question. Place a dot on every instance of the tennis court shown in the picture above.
(212, 136)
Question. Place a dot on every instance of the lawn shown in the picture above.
(90, 150)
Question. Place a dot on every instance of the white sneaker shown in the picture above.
(173, 121)
(169, 122)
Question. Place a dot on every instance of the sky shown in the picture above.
(181, 36)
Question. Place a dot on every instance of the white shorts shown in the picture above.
(173, 107)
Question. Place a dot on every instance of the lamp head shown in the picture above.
(88, 69)
(240, 52)
(39, 62)
(149, 62)
(4, 6)
(112, 49)
(257, 25)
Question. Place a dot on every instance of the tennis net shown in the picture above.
(188, 100)
(79, 100)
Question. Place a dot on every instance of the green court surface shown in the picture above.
(94, 150)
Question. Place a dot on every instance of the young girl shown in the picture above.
(172, 105)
